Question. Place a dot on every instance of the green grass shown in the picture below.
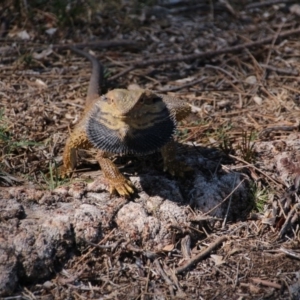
(71, 12)
(261, 196)
(3, 127)
(9, 147)
(7, 144)
(64, 12)
(4, 146)
(246, 146)
(224, 139)
(52, 180)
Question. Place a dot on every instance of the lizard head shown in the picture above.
(130, 122)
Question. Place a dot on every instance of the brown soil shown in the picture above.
(227, 230)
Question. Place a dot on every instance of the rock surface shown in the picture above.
(41, 230)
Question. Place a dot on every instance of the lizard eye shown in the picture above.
(106, 99)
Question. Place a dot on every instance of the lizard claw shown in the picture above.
(63, 172)
(121, 186)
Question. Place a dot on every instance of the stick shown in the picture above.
(201, 255)
(97, 44)
(168, 60)
(266, 3)
(288, 220)
(168, 281)
(266, 283)
(257, 169)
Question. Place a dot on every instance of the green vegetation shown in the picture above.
(224, 139)
(26, 59)
(4, 142)
(62, 12)
(8, 146)
(260, 195)
(70, 12)
(3, 128)
(52, 180)
(247, 146)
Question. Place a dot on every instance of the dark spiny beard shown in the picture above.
(138, 141)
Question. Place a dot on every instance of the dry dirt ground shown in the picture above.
(229, 229)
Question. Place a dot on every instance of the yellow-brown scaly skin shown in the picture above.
(127, 115)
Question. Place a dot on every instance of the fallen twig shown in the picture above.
(267, 3)
(168, 281)
(186, 247)
(93, 248)
(266, 283)
(288, 220)
(167, 60)
(229, 202)
(257, 169)
(225, 199)
(280, 70)
(177, 88)
(201, 255)
(290, 253)
(97, 44)
(267, 131)
(223, 71)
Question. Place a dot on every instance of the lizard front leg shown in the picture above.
(77, 140)
(171, 164)
(117, 182)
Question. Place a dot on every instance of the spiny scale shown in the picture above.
(123, 121)
(137, 141)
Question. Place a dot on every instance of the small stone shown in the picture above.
(48, 285)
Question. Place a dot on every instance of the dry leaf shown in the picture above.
(295, 9)
(254, 289)
(23, 35)
(251, 79)
(168, 248)
(185, 80)
(218, 259)
(257, 100)
(51, 31)
(43, 54)
(40, 83)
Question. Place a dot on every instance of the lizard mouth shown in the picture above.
(125, 117)
(137, 141)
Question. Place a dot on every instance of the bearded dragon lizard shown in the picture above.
(122, 122)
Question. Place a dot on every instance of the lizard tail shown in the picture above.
(96, 79)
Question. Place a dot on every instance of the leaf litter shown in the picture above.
(237, 65)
